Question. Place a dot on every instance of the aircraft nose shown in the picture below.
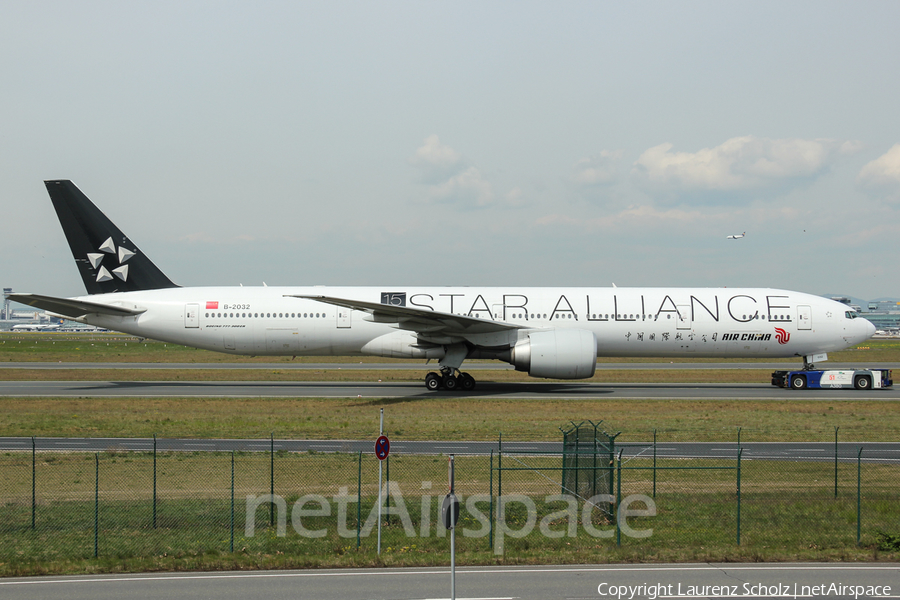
(868, 330)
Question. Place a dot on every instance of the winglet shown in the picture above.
(107, 260)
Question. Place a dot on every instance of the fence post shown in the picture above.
(740, 452)
(387, 496)
(618, 498)
(577, 458)
(835, 460)
(654, 463)
(33, 482)
(739, 436)
(594, 464)
(491, 525)
(858, 494)
(358, 499)
(231, 546)
(96, 504)
(154, 481)
(272, 479)
(499, 470)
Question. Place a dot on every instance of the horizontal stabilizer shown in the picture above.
(72, 308)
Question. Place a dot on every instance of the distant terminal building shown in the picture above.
(884, 315)
(884, 306)
(888, 322)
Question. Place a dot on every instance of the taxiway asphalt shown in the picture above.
(411, 391)
(571, 582)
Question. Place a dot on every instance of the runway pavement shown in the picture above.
(605, 582)
(886, 452)
(412, 391)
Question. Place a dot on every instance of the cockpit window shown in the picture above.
(850, 314)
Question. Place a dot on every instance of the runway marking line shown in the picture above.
(491, 571)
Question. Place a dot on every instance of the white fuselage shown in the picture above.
(627, 322)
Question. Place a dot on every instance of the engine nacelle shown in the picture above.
(557, 354)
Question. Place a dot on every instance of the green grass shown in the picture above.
(448, 418)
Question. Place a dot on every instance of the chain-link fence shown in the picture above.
(787, 505)
(120, 504)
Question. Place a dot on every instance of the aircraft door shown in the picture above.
(684, 317)
(191, 316)
(804, 317)
(497, 311)
(343, 317)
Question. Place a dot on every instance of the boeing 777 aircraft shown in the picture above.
(547, 332)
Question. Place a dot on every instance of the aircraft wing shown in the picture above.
(72, 308)
(439, 327)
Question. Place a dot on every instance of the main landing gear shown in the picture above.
(450, 379)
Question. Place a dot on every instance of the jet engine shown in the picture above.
(557, 354)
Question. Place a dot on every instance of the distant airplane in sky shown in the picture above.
(548, 332)
(736, 237)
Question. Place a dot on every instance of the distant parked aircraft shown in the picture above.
(36, 327)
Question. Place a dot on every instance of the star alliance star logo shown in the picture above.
(106, 248)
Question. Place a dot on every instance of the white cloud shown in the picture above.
(597, 170)
(738, 164)
(450, 179)
(883, 173)
(643, 216)
(466, 188)
(436, 161)
(669, 223)
(515, 198)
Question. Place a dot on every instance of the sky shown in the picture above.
(459, 143)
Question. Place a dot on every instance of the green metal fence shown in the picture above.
(756, 503)
(138, 504)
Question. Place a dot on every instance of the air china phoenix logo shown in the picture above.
(106, 248)
(782, 336)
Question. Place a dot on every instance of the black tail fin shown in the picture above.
(107, 260)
